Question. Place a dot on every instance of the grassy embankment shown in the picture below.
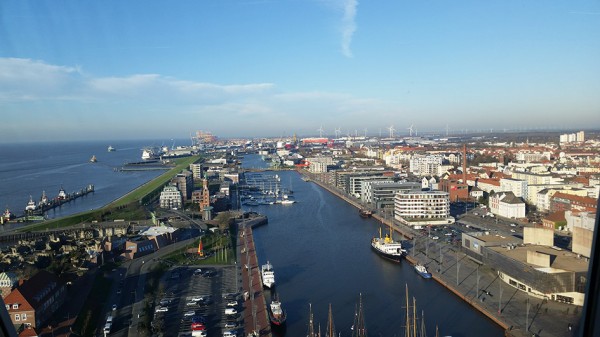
(128, 207)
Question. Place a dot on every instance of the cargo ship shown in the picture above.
(277, 315)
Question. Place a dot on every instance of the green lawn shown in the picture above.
(126, 207)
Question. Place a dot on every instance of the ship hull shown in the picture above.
(391, 257)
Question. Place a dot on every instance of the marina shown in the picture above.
(316, 259)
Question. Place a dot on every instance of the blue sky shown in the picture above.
(148, 69)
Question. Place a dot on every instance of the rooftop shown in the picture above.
(563, 260)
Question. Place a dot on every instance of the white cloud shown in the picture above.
(26, 80)
(348, 25)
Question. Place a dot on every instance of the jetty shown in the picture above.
(61, 199)
(256, 319)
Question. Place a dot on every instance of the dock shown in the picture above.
(256, 319)
(59, 201)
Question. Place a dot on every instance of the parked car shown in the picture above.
(232, 304)
(161, 309)
(230, 311)
(189, 313)
(114, 307)
(230, 325)
(191, 303)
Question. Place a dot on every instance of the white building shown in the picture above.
(421, 165)
(518, 187)
(170, 197)
(319, 164)
(422, 207)
(507, 205)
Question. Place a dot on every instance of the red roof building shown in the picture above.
(33, 302)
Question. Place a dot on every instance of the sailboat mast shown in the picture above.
(330, 326)
(407, 315)
(311, 329)
(414, 317)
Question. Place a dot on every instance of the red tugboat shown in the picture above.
(277, 315)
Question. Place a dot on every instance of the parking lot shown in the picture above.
(199, 301)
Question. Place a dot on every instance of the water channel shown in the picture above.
(320, 250)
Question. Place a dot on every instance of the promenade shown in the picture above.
(479, 285)
(256, 319)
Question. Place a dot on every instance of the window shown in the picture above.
(17, 317)
(15, 306)
(23, 317)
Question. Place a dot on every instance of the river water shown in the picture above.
(321, 254)
(28, 169)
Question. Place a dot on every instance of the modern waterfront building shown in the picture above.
(539, 270)
(422, 207)
(170, 197)
(381, 193)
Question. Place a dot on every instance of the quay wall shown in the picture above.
(256, 320)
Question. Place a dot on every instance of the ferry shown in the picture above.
(421, 270)
(387, 247)
(268, 275)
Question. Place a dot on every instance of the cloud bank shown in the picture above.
(35, 90)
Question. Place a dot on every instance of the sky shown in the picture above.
(83, 69)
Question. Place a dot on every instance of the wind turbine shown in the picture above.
(337, 132)
(365, 132)
(320, 131)
(410, 130)
(391, 128)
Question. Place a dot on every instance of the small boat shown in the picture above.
(7, 215)
(62, 195)
(111, 148)
(287, 202)
(93, 159)
(277, 315)
(30, 205)
(421, 270)
(365, 213)
(268, 275)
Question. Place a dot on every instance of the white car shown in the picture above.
(232, 304)
(230, 311)
(512, 230)
(229, 334)
(114, 307)
(191, 303)
(513, 225)
(197, 298)
(230, 325)
(161, 309)
(189, 313)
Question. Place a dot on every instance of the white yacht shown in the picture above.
(268, 275)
